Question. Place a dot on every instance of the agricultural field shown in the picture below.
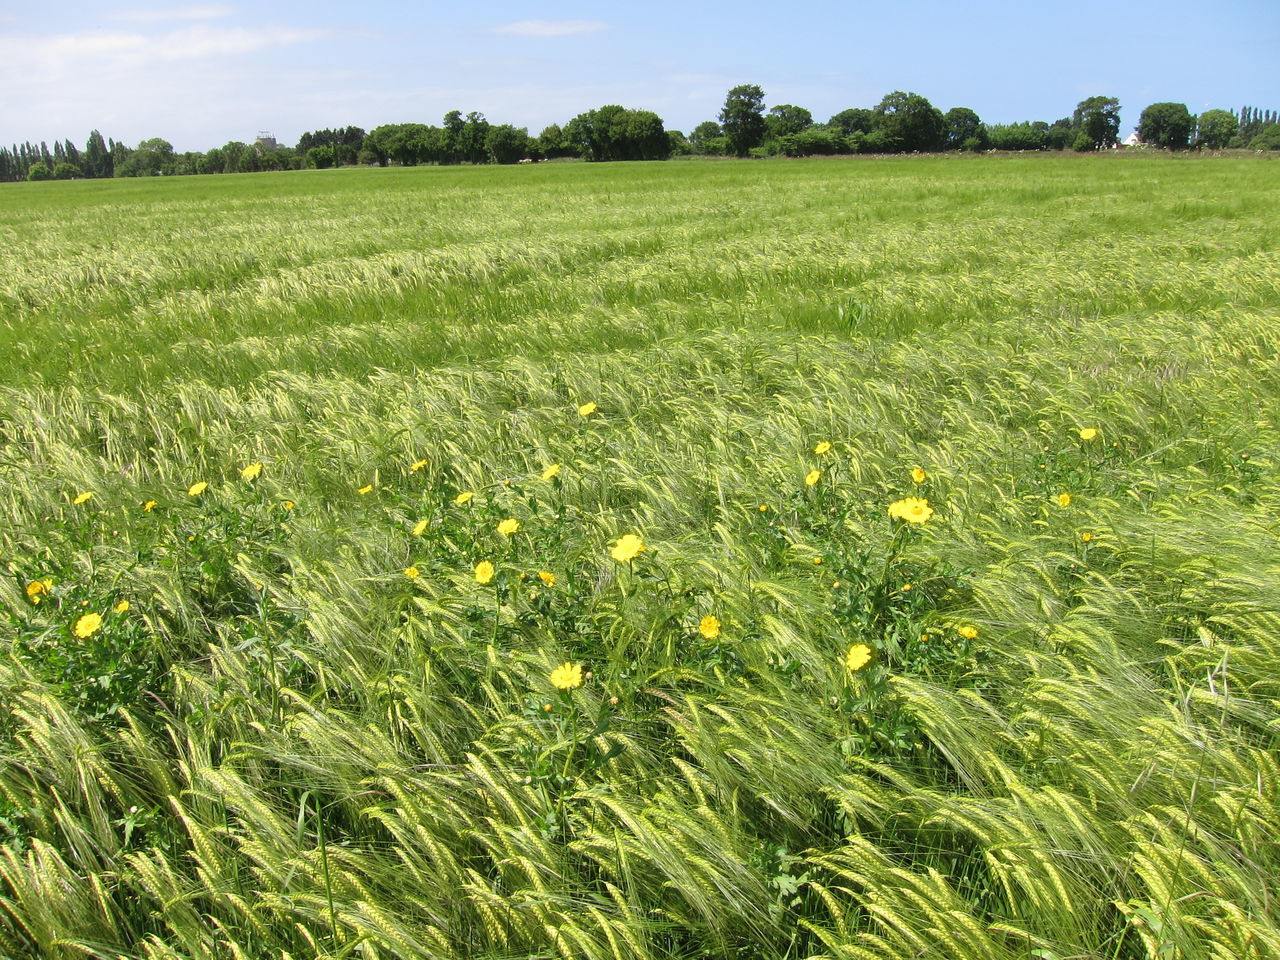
(859, 559)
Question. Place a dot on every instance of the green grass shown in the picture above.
(286, 747)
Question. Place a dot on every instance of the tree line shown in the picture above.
(901, 122)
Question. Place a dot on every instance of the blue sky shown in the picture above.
(200, 74)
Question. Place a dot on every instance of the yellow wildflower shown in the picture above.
(823, 447)
(122, 606)
(411, 572)
(288, 504)
(547, 577)
(587, 409)
(83, 497)
(484, 571)
(709, 627)
(968, 631)
(367, 488)
(88, 625)
(1088, 433)
(859, 656)
(1086, 537)
(1064, 499)
(417, 465)
(508, 526)
(764, 508)
(551, 471)
(911, 509)
(567, 676)
(463, 497)
(812, 477)
(252, 472)
(197, 488)
(149, 506)
(419, 528)
(918, 475)
(37, 588)
(627, 548)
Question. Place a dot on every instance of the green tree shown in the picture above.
(507, 144)
(1167, 125)
(854, 120)
(320, 158)
(962, 125)
(66, 171)
(1216, 128)
(1098, 118)
(910, 122)
(1268, 139)
(742, 118)
(39, 171)
(707, 130)
(786, 119)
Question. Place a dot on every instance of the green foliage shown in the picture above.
(742, 118)
(1032, 725)
(616, 133)
(786, 120)
(1098, 119)
(910, 122)
(963, 125)
(1268, 139)
(38, 171)
(1015, 136)
(1215, 128)
(1166, 125)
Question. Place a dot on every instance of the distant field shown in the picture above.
(369, 454)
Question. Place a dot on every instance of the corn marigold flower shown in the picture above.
(547, 577)
(122, 606)
(627, 548)
(911, 509)
(484, 572)
(149, 506)
(83, 497)
(38, 588)
(1088, 433)
(197, 488)
(87, 625)
(367, 488)
(823, 446)
(918, 475)
(420, 528)
(812, 477)
(1086, 537)
(587, 409)
(252, 472)
(859, 656)
(764, 508)
(567, 676)
(417, 465)
(709, 627)
(968, 631)
(412, 572)
(288, 504)
(1064, 499)
(464, 497)
(551, 471)
(509, 526)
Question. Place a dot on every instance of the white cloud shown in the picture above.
(551, 28)
(198, 11)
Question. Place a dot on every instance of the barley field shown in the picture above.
(857, 559)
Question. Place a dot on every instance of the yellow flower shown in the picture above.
(417, 465)
(288, 504)
(822, 447)
(419, 528)
(551, 471)
(484, 571)
(764, 508)
(968, 631)
(83, 497)
(918, 475)
(411, 572)
(567, 676)
(812, 477)
(911, 509)
(859, 656)
(547, 577)
(508, 526)
(148, 506)
(627, 548)
(122, 606)
(367, 488)
(709, 627)
(817, 561)
(252, 472)
(37, 588)
(587, 409)
(1064, 499)
(88, 625)
(1088, 433)
(1086, 537)
(197, 488)
(463, 497)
